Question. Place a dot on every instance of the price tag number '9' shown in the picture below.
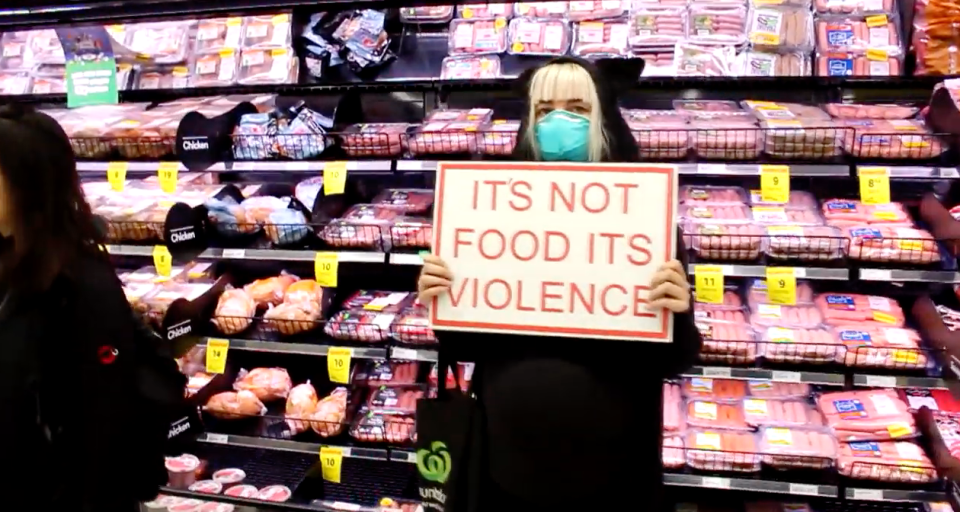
(781, 286)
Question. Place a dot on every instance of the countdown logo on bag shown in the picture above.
(434, 465)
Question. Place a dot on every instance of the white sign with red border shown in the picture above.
(554, 249)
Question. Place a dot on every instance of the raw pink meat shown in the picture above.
(879, 346)
(898, 461)
(888, 244)
(851, 308)
(673, 420)
(789, 448)
(876, 414)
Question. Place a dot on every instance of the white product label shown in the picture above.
(769, 310)
(879, 68)
(555, 7)
(486, 38)
(42, 87)
(754, 406)
(619, 34)
(766, 26)
(253, 58)
(781, 436)
(872, 5)
(714, 482)
(879, 303)
(232, 39)
(879, 36)
(206, 66)
(785, 231)
(463, 35)
(553, 37)
(591, 32)
(711, 168)
(218, 438)
(528, 32)
(701, 385)
(881, 381)
(883, 404)
(908, 451)
(12, 49)
(768, 214)
(208, 32)
(705, 410)
(804, 490)
(780, 335)
(280, 67)
(781, 376)
(228, 66)
(383, 321)
(868, 494)
(716, 371)
(281, 31)
(707, 440)
(761, 64)
(257, 30)
(898, 337)
(234, 254)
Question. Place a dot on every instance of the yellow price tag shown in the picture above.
(334, 178)
(874, 185)
(162, 260)
(781, 286)
(325, 267)
(775, 183)
(217, 349)
(117, 175)
(331, 460)
(338, 364)
(168, 176)
(709, 284)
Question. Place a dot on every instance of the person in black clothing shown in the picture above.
(573, 422)
(86, 395)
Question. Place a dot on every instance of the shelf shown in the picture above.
(747, 484)
(410, 354)
(889, 381)
(405, 259)
(893, 495)
(835, 274)
(836, 171)
(292, 446)
(916, 276)
(828, 379)
(903, 172)
(256, 254)
(305, 349)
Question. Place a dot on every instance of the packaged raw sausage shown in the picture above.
(895, 138)
(217, 34)
(867, 415)
(731, 138)
(854, 6)
(762, 63)
(654, 25)
(382, 427)
(721, 240)
(601, 39)
(731, 300)
(704, 58)
(804, 243)
(862, 111)
(719, 213)
(719, 450)
(413, 326)
(388, 373)
(470, 67)
(267, 31)
(775, 315)
(899, 461)
(531, 36)
(847, 212)
(873, 63)
(673, 420)
(799, 345)
(708, 109)
(673, 453)
(499, 137)
(757, 293)
(708, 195)
(811, 139)
(779, 216)
(451, 114)
(876, 346)
(798, 199)
(177, 77)
(721, 390)
(720, 313)
(374, 139)
(396, 399)
(781, 110)
(783, 28)
(714, 414)
(541, 9)
(476, 37)
(445, 138)
(853, 308)
(795, 448)
(717, 24)
(727, 342)
(777, 390)
(660, 134)
(846, 33)
(892, 244)
(426, 14)
(485, 11)
(582, 10)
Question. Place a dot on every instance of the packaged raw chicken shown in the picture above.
(858, 33)
(427, 14)
(268, 384)
(542, 9)
(270, 290)
(775, 315)
(712, 195)
(896, 138)
(865, 415)
(231, 405)
(532, 36)
(897, 461)
(794, 448)
(723, 390)
(217, 34)
(374, 139)
(777, 390)
(672, 451)
(854, 308)
(380, 427)
(499, 137)
(596, 9)
(673, 420)
(731, 138)
(330, 414)
(872, 345)
(235, 311)
(885, 244)
(715, 414)
(445, 137)
(485, 11)
(412, 326)
(164, 43)
(768, 63)
(473, 37)
(363, 225)
(799, 345)
(216, 69)
(856, 63)
(805, 243)
(655, 25)
(717, 23)
(863, 111)
(727, 342)
(289, 318)
(780, 413)
(267, 66)
(470, 67)
(802, 138)
(269, 31)
(396, 399)
(722, 450)
(780, 28)
(301, 404)
(779, 216)
(658, 136)
(388, 373)
(757, 293)
(601, 39)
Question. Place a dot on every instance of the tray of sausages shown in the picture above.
(596, 9)
(858, 33)
(445, 138)
(660, 134)
(499, 137)
(817, 345)
(805, 243)
(656, 25)
(599, 39)
(802, 138)
(782, 28)
(891, 244)
(874, 62)
(717, 23)
(854, 6)
(722, 450)
(888, 461)
(727, 138)
(470, 67)
(894, 138)
(556, 10)
(672, 449)
(536, 36)
(485, 11)
(475, 37)
(727, 342)
(791, 447)
(717, 240)
(383, 427)
(875, 346)
(762, 63)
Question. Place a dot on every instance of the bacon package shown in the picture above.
(793, 448)
(888, 244)
(867, 415)
(720, 450)
(877, 346)
(854, 308)
(535, 36)
(897, 461)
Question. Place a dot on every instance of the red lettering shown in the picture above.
(576, 293)
(476, 189)
(626, 193)
(546, 246)
(646, 257)
(493, 191)
(503, 244)
(638, 300)
(457, 241)
(518, 194)
(513, 245)
(520, 306)
(544, 295)
(486, 294)
(610, 248)
(583, 197)
(455, 297)
(590, 250)
(603, 300)
(568, 201)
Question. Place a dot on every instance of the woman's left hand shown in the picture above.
(669, 288)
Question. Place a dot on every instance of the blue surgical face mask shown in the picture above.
(563, 136)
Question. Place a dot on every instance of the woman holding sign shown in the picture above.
(573, 422)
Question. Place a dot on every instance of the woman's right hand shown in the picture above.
(435, 279)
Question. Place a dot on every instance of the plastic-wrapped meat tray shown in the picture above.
(727, 342)
(659, 134)
(598, 39)
(412, 201)
(476, 37)
(778, 390)
(721, 390)
(791, 448)
(780, 216)
(777, 110)
(485, 11)
(888, 139)
(854, 63)
(470, 67)
(427, 14)
(216, 34)
(799, 199)
(720, 450)
(702, 413)
(382, 427)
(892, 244)
(657, 25)
(396, 399)
(717, 23)
(360, 325)
(388, 373)
(267, 31)
(867, 415)
(726, 139)
(672, 449)
(412, 327)
(596, 9)
(708, 195)
(801, 138)
(411, 232)
(762, 63)
(874, 346)
(718, 241)
(165, 43)
(536, 36)
(444, 138)
(850, 212)
(542, 9)
(216, 69)
(775, 315)
(757, 293)
(363, 225)
(894, 461)
(673, 420)
(799, 345)
(375, 139)
(384, 301)
(499, 137)
(267, 66)
(863, 111)
(718, 313)
(854, 309)
(730, 301)
(806, 243)
(857, 33)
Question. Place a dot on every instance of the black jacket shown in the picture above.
(574, 421)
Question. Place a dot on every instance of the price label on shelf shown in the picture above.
(338, 364)
(117, 175)
(325, 266)
(775, 184)
(781, 285)
(334, 178)
(875, 185)
(167, 173)
(331, 460)
(217, 349)
(162, 260)
(709, 283)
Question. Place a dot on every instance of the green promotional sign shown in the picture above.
(434, 464)
(92, 82)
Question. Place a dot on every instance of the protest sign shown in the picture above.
(554, 249)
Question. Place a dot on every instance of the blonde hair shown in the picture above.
(566, 81)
